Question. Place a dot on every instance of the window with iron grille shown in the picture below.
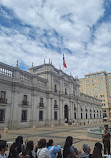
(25, 102)
(75, 115)
(55, 115)
(3, 97)
(24, 116)
(40, 115)
(81, 115)
(55, 88)
(41, 102)
(2, 115)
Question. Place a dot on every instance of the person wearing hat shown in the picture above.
(106, 140)
(86, 151)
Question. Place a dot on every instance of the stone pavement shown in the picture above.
(57, 133)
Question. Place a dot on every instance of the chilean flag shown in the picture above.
(64, 63)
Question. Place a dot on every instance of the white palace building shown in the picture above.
(43, 96)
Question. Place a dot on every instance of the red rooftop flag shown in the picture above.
(64, 63)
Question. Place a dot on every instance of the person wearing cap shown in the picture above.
(86, 151)
(106, 140)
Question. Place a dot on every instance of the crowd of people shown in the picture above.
(45, 149)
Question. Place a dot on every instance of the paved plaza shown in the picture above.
(57, 133)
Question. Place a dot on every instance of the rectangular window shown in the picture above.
(55, 102)
(41, 100)
(25, 98)
(93, 80)
(24, 116)
(3, 97)
(2, 115)
(55, 88)
(65, 91)
(94, 84)
(75, 115)
(24, 102)
(41, 104)
(55, 115)
(40, 115)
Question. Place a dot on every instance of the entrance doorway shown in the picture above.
(66, 113)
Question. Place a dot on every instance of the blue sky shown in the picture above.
(31, 31)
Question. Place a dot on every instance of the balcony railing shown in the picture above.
(3, 100)
(55, 106)
(55, 90)
(25, 102)
(41, 104)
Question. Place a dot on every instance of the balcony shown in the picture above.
(55, 106)
(3, 101)
(41, 104)
(25, 102)
(55, 90)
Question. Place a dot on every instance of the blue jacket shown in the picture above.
(54, 150)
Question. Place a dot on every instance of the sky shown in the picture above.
(34, 30)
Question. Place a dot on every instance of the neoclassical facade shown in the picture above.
(43, 96)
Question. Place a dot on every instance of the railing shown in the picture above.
(25, 102)
(55, 90)
(6, 71)
(3, 100)
(55, 106)
(41, 104)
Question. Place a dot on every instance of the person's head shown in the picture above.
(3, 146)
(68, 143)
(50, 142)
(86, 148)
(69, 140)
(97, 152)
(42, 143)
(30, 145)
(98, 145)
(19, 140)
(106, 127)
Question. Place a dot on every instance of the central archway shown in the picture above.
(66, 113)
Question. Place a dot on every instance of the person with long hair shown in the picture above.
(97, 152)
(16, 147)
(27, 151)
(69, 151)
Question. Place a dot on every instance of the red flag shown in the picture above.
(64, 63)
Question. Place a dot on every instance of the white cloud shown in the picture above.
(74, 30)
